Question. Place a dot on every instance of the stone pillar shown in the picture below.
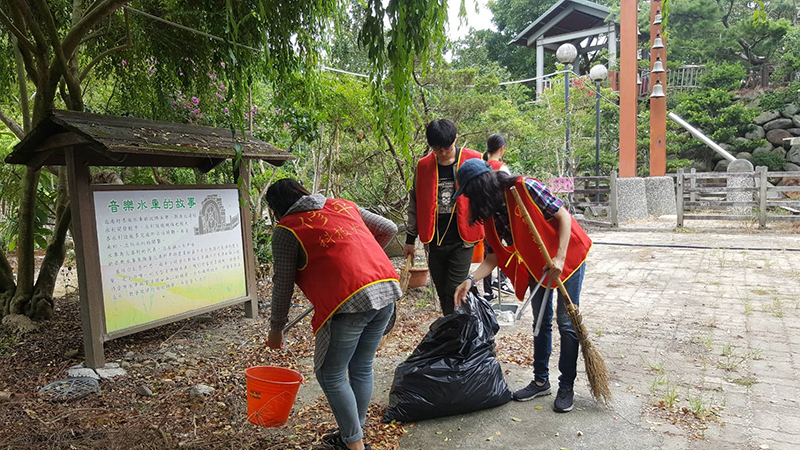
(739, 166)
(660, 196)
(631, 199)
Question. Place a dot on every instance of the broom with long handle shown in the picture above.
(596, 370)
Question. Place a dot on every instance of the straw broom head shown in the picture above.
(596, 370)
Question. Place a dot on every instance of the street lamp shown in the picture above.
(598, 74)
(566, 55)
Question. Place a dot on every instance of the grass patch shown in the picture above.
(775, 308)
(745, 381)
(670, 396)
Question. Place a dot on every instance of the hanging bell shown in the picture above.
(657, 42)
(658, 66)
(658, 91)
(657, 18)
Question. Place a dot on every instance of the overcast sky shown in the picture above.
(480, 20)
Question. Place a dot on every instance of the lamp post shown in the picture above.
(598, 74)
(566, 55)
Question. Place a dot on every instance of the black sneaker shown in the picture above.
(563, 401)
(334, 439)
(531, 391)
(505, 288)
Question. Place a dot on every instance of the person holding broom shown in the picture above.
(517, 253)
(441, 221)
(333, 251)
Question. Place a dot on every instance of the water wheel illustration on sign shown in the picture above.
(212, 218)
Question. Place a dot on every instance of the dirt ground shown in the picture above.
(701, 343)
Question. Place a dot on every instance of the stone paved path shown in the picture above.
(710, 330)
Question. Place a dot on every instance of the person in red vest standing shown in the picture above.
(333, 250)
(434, 214)
(516, 252)
(495, 149)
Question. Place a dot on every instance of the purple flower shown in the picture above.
(226, 110)
(195, 111)
(222, 87)
(195, 101)
(222, 64)
(124, 63)
(180, 73)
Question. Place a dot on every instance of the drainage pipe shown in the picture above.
(699, 135)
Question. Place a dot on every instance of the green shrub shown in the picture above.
(262, 241)
(725, 76)
(777, 100)
(772, 161)
(674, 164)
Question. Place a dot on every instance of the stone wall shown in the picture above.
(770, 128)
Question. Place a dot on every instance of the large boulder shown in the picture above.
(763, 148)
(779, 151)
(793, 156)
(791, 167)
(779, 124)
(794, 131)
(744, 155)
(702, 165)
(777, 136)
(766, 116)
(19, 324)
(741, 144)
(722, 166)
(796, 121)
(790, 110)
(757, 132)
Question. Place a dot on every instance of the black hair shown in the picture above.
(486, 194)
(441, 133)
(494, 143)
(284, 193)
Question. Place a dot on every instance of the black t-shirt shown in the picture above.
(445, 192)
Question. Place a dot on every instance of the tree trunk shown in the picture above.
(25, 243)
(41, 305)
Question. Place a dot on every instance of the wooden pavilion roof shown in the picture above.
(128, 141)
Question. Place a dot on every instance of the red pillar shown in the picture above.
(628, 89)
(658, 106)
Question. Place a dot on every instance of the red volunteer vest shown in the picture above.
(428, 205)
(342, 256)
(496, 165)
(524, 257)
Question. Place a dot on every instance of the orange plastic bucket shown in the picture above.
(270, 394)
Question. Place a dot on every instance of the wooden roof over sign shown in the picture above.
(127, 141)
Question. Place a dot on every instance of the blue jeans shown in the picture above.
(351, 352)
(543, 344)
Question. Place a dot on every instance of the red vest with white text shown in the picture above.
(428, 205)
(342, 256)
(523, 257)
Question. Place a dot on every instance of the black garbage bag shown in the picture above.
(453, 370)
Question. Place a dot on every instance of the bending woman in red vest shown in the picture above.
(333, 250)
(516, 252)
